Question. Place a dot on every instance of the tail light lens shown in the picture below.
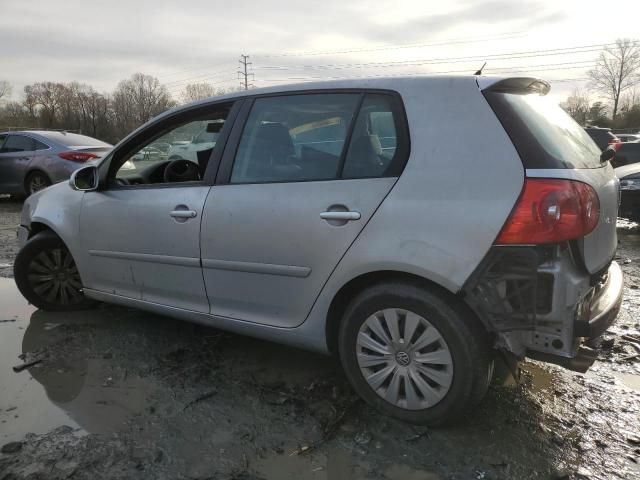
(551, 211)
(79, 157)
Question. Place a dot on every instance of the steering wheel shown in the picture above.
(181, 170)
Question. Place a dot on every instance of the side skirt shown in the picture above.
(287, 336)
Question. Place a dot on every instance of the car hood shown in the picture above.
(626, 170)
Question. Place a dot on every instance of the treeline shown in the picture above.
(586, 111)
(80, 107)
(616, 80)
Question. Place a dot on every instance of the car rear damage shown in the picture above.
(549, 284)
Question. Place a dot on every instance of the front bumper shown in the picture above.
(23, 235)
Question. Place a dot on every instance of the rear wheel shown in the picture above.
(414, 353)
(47, 276)
(36, 181)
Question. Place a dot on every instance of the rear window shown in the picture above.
(74, 140)
(544, 135)
(627, 153)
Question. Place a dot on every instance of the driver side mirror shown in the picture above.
(85, 179)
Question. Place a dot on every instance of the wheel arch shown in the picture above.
(357, 284)
(39, 226)
(30, 172)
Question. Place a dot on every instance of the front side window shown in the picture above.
(294, 138)
(18, 143)
(180, 152)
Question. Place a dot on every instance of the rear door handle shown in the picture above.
(183, 214)
(343, 216)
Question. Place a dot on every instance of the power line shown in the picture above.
(202, 67)
(201, 77)
(435, 61)
(504, 36)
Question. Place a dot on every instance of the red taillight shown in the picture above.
(615, 145)
(551, 211)
(77, 156)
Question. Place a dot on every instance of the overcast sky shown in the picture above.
(100, 43)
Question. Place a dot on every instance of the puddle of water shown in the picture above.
(629, 380)
(77, 393)
(24, 406)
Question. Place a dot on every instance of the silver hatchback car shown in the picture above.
(341, 217)
(34, 159)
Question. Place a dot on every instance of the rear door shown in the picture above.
(552, 145)
(15, 155)
(306, 174)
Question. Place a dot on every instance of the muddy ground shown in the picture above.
(118, 393)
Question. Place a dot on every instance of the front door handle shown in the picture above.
(183, 214)
(341, 216)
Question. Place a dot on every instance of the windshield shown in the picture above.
(205, 137)
(544, 134)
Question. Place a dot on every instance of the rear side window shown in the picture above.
(294, 138)
(40, 145)
(18, 143)
(542, 133)
(322, 137)
(377, 145)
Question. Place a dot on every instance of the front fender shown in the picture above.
(58, 208)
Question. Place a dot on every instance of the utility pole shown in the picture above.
(243, 73)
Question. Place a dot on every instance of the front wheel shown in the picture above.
(47, 276)
(414, 353)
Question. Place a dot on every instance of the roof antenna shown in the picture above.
(479, 72)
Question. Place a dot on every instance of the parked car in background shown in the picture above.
(602, 136)
(628, 137)
(203, 140)
(629, 177)
(626, 153)
(34, 159)
(331, 216)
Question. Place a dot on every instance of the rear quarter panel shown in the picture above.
(462, 179)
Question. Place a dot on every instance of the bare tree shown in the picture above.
(5, 89)
(577, 105)
(138, 99)
(198, 91)
(617, 69)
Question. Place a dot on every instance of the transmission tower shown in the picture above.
(243, 72)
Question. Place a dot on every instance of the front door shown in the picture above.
(141, 235)
(306, 178)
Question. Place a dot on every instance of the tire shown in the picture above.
(47, 277)
(36, 181)
(457, 380)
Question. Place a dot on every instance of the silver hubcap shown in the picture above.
(53, 275)
(37, 183)
(404, 359)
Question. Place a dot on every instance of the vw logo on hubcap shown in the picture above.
(403, 358)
